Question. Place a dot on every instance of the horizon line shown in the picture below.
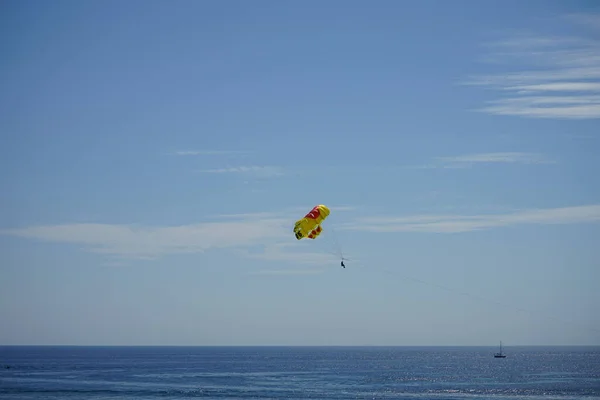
(295, 345)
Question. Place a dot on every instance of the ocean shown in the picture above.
(70, 372)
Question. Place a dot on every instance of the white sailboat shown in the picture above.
(500, 354)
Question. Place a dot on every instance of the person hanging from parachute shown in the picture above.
(310, 225)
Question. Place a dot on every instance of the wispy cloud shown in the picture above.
(288, 213)
(562, 79)
(208, 152)
(588, 20)
(150, 242)
(255, 170)
(467, 223)
(469, 160)
(268, 237)
(499, 157)
(288, 272)
(293, 251)
(269, 231)
(341, 208)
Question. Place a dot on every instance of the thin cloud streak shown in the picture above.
(141, 242)
(499, 157)
(286, 272)
(272, 233)
(263, 171)
(469, 223)
(533, 77)
(208, 152)
(469, 160)
(515, 107)
(292, 252)
(563, 80)
(341, 208)
(239, 232)
(588, 20)
(291, 213)
(557, 87)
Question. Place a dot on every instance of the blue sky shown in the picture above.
(155, 156)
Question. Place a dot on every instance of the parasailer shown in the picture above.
(310, 225)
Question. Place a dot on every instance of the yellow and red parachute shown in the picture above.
(310, 226)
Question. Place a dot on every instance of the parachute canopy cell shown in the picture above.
(310, 226)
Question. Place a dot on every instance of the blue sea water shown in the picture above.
(32, 372)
